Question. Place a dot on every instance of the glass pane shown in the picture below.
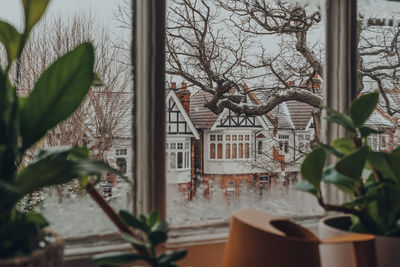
(228, 151)
(379, 68)
(234, 151)
(249, 53)
(180, 160)
(102, 124)
(212, 151)
(240, 151)
(219, 151)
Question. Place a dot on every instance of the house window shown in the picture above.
(178, 155)
(121, 163)
(373, 142)
(260, 147)
(234, 146)
(121, 152)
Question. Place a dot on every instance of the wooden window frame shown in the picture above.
(149, 133)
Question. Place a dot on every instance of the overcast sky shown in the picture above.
(103, 11)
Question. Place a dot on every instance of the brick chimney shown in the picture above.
(183, 95)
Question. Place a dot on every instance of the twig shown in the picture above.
(112, 215)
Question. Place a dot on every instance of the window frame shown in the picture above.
(149, 135)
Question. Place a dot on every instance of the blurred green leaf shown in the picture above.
(153, 218)
(396, 152)
(366, 131)
(96, 80)
(332, 150)
(341, 119)
(33, 10)
(172, 256)
(343, 183)
(11, 39)
(58, 92)
(132, 221)
(134, 241)
(387, 164)
(58, 171)
(116, 258)
(160, 226)
(157, 238)
(312, 167)
(346, 145)
(37, 219)
(353, 164)
(362, 108)
(306, 187)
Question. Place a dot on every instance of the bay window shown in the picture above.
(229, 146)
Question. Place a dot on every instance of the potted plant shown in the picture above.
(150, 233)
(370, 178)
(24, 121)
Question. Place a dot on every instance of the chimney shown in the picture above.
(183, 95)
(173, 85)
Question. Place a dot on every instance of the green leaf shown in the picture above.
(362, 108)
(33, 10)
(387, 164)
(360, 202)
(157, 238)
(332, 150)
(353, 164)
(116, 258)
(58, 171)
(346, 145)
(396, 152)
(11, 39)
(134, 241)
(171, 256)
(160, 226)
(365, 131)
(343, 183)
(132, 221)
(37, 218)
(341, 119)
(96, 80)
(153, 218)
(312, 167)
(306, 187)
(57, 93)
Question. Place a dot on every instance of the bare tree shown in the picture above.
(218, 44)
(104, 113)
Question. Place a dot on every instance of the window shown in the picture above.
(373, 142)
(178, 155)
(237, 148)
(260, 147)
(235, 137)
(121, 151)
(121, 163)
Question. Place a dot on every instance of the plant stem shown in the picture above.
(112, 215)
(329, 207)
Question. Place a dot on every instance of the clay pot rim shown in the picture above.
(333, 218)
(37, 253)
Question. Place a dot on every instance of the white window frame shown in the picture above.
(148, 164)
(213, 139)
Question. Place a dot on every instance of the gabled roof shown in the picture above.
(172, 95)
(300, 113)
(202, 117)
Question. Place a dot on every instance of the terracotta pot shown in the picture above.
(387, 248)
(50, 256)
